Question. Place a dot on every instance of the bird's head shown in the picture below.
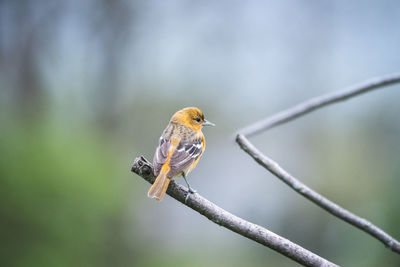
(191, 117)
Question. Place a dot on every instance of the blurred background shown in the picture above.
(87, 86)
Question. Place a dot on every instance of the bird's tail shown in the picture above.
(158, 189)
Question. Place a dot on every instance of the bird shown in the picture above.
(179, 149)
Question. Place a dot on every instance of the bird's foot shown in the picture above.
(189, 192)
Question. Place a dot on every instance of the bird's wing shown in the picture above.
(161, 154)
(184, 156)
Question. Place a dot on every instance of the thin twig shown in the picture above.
(274, 168)
(238, 225)
(321, 201)
(318, 102)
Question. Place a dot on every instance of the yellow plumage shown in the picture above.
(181, 146)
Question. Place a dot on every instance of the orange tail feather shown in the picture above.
(159, 188)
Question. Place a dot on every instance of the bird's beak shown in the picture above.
(207, 123)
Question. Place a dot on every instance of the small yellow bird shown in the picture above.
(180, 148)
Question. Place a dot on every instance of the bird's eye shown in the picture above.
(197, 119)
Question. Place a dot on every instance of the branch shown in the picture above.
(274, 168)
(318, 102)
(321, 201)
(238, 225)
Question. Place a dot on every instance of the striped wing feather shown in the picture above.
(184, 156)
(181, 159)
(161, 154)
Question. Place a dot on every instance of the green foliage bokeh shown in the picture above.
(58, 196)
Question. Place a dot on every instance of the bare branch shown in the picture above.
(238, 225)
(318, 102)
(274, 168)
(321, 201)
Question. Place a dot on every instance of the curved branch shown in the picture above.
(274, 168)
(318, 199)
(238, 225)
(318, 102)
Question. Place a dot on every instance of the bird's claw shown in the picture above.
(189, 192)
